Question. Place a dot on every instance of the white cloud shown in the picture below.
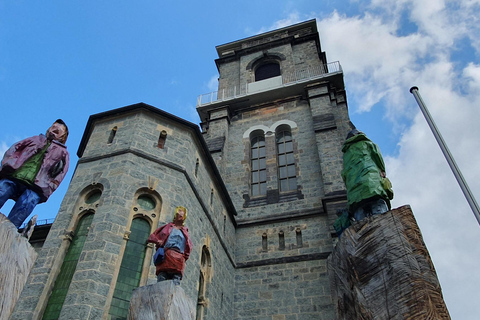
(472, 75)
(3, 147)
(212, 84)
(293, 18)
(377, 63)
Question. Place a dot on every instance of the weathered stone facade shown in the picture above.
(282, 238)
(266, 252)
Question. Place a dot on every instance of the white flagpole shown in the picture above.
(451, 162)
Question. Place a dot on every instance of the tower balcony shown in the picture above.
(286, 84)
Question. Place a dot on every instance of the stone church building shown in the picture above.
(260, 179)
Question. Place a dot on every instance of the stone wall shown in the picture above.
(284, 291)
(17, 259)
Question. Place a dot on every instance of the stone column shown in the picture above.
(17, 257)
(161, 301)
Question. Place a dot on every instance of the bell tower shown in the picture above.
(275, 128)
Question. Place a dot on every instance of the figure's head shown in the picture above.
(352, 133)
(58, 131)
(180, 214)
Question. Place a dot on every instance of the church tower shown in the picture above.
(275, 128)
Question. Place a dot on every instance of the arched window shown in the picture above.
(267, 70)
(197, 164)
(62, 283)
(112, 134)
(258, 166)
(299, 238)
(130, 269)
(286, 161)
(264, 242)
(146, 202)
(161, 139)
(205, 273)
(281, 240)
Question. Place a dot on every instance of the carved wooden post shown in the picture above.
(17, 257)
(161, 301)
(381, 269)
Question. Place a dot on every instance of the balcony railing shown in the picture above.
(286, 79)
(39, 222)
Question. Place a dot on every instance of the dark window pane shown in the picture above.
(292, 183)
(287, 135)
(254, 164)
(291, 171)
(263, 188)
(261, 152)
(289, 146)
(268, 70)
(290, 158)
(280, 138)
(254, 189)
(263, 175)
(283, 185)
(281, 148)
(263, 163)
(281, 160)
(282, 171)
(254, 143)
(255, 177)
(254, 153)
(261, 141)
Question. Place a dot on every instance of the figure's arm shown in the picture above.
(155, 237)
(188, 245)
(377, 158)
(60, 169)
(20, 145)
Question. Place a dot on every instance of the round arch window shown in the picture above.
(146, 202)
(93, 196)
(267, 70)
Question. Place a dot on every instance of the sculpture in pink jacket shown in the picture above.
(32, 169)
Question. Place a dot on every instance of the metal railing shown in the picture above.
(288, 78)
(39, 222)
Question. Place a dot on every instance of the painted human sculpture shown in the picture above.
(368, 189)
(32, 169)
(175, 241)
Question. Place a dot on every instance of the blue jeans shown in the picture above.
(26, 202)
(370, 208)
(176, 277)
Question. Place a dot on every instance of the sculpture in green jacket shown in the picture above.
(364, 171)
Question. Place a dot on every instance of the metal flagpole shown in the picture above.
(451, 162)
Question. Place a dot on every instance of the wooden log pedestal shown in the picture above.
(381, 269)
(17, 257)
(161, 301)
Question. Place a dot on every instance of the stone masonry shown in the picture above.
(282, 238)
